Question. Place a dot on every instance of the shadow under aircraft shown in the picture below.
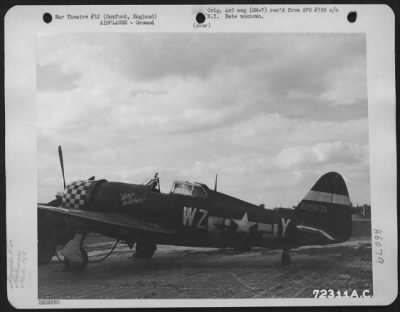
(191, 214)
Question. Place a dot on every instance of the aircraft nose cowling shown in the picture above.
(77, 194)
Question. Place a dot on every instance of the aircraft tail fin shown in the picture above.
(324, 214)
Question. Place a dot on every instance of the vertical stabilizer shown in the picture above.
(325, 211)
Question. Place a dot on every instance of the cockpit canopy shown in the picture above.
(189, 189)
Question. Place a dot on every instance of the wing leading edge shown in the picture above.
(115, 219)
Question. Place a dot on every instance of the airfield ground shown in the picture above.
(183, 272)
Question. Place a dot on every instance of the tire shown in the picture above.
(286, 259)
(242, 248)
(46, 251)
(145, 250)
(77, 267)
(242, 244)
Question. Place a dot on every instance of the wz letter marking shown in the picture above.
(189, 214)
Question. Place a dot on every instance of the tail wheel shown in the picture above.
(145, 250)
(77, 266)
(46, 250)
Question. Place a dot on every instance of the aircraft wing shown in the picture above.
(123, 221)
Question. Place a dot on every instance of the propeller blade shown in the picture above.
(62, 164)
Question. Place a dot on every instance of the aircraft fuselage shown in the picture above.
(217, 220)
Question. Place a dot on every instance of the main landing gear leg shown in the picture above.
(75, 256)
(286, 259)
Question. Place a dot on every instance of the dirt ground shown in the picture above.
(183, 272)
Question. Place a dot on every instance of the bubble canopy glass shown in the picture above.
(188, 189)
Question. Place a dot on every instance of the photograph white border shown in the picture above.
(23, 23)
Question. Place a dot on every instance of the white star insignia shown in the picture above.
(244, 224)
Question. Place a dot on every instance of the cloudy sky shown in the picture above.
(269, 113)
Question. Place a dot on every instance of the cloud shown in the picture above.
(267, 112)
(264, 71)
(322, 153)
(51, 77)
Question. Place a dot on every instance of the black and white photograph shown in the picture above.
(206, 156)
(202, 165)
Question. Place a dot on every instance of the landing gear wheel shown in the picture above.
(77, 266)
(242, 244)
(242, 248)
(286, 259)
(145, 250)
(46, 250)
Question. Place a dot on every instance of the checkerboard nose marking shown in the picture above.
(75, 194)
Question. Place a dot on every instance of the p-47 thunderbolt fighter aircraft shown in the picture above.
(191, 214)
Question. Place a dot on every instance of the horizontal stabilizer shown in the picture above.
(311, 230)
